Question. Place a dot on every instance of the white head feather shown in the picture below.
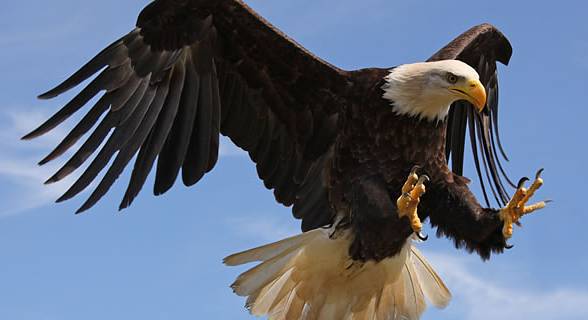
(421, 89)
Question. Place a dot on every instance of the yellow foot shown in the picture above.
(516, 207)
(408, 202)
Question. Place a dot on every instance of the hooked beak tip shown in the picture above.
(474, 92)
(478, 94)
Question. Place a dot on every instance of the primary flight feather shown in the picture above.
(361, 156)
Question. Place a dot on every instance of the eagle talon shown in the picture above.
(508, 246)
(422, 237)
(522, 182)
(517, 206)
(407, 203)
(424, 178)
(538, 174)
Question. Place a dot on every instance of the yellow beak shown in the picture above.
(474, 92)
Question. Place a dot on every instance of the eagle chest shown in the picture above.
(390, 145)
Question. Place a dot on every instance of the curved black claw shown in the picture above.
(538, 174)
(421, 236)
(522, 182)
(508, 246)
(414, 169)
(424, 178)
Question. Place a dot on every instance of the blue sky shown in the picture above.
(161, 259)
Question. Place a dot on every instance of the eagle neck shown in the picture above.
(412, 96)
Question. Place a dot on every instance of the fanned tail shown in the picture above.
(310, 276)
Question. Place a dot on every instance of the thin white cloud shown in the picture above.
(477, 298)
(25, 184)
(263, 228)
(21, 178)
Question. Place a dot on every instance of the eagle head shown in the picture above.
(427, 89)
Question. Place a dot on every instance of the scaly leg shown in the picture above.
(408, 202)
(516, 207)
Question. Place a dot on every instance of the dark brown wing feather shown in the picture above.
(480, 47)
(190, 71)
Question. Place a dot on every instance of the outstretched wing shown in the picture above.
(480, 47)
(190, 71)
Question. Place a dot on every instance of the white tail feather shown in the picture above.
(432, 285)
(310, 276)
(268, 251)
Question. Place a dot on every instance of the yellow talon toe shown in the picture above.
(408, 202)
(517, 207)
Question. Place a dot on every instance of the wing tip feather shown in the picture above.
(48, 95)
(28, 137)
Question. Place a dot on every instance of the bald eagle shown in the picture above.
(362, 156)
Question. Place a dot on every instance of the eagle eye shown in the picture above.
(451, 78)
